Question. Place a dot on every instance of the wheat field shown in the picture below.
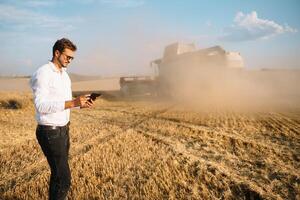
(146, 149)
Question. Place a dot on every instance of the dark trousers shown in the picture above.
(55, 145)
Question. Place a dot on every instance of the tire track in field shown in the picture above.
(231, 136)
(234, 136)
(257, 128)
(199, 138)
(141, 117)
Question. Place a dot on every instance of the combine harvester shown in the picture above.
(179, 63)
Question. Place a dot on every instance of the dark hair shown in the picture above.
(63, 44)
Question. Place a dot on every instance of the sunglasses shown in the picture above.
(68, 57)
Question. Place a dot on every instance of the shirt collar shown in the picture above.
(54, 68)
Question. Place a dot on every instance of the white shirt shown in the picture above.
(51, 88)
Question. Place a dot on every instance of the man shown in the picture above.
(51, 88)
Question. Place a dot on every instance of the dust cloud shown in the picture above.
(238, 89)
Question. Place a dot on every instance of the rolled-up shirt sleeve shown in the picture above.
(40, 87)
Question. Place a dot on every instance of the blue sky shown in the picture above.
(121, 37)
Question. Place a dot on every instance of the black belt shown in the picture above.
(47, 127)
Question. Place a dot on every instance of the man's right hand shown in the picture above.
(83, 101)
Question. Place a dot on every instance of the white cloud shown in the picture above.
(250, 27)
(22, 19)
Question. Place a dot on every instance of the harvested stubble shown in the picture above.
(141, 150)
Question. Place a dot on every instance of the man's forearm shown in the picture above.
(81, 101)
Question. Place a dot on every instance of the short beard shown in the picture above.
(61, 64)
